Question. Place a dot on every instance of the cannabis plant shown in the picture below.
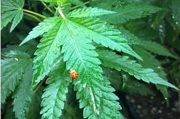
(77, 54)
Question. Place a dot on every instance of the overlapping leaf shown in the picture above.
(49, 47)
(156, 48)
(151, 46)
(125, 83)
(23, 93)
(55, 94)
(14, 65)
(148, 75)
(11, 10)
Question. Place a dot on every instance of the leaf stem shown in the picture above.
(37, 88)
(61, 13)
(34, 13)
(34, 17)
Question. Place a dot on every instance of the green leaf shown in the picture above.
(150, 61)
(22, 96)
(49, 47)
(88, 12)
(110, 59)
(96, 97)
(94, 92)
(11, 11)
(14, 64)
(104, 34)
(42, 28)
(55, 93)
(130, 12)
(47, 53)
(151, 46)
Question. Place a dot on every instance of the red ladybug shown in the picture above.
(73, 74)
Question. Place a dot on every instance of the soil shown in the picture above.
(153, 107)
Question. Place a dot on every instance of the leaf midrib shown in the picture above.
(75, 43)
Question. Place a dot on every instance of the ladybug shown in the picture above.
(73, 74)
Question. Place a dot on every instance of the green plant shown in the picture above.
(99, 42)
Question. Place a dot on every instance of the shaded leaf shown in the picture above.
(11, 11)
(34, 106)
(14, 64)
(9, 112)
(23, 93)
(55, 93)
(110, 59)
(151, 46)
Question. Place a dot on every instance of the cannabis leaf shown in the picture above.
(64, 37)
(49, 46)
(11, 10)
(110, 59)
(55, 93)
(22, 96)
(14, 64)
